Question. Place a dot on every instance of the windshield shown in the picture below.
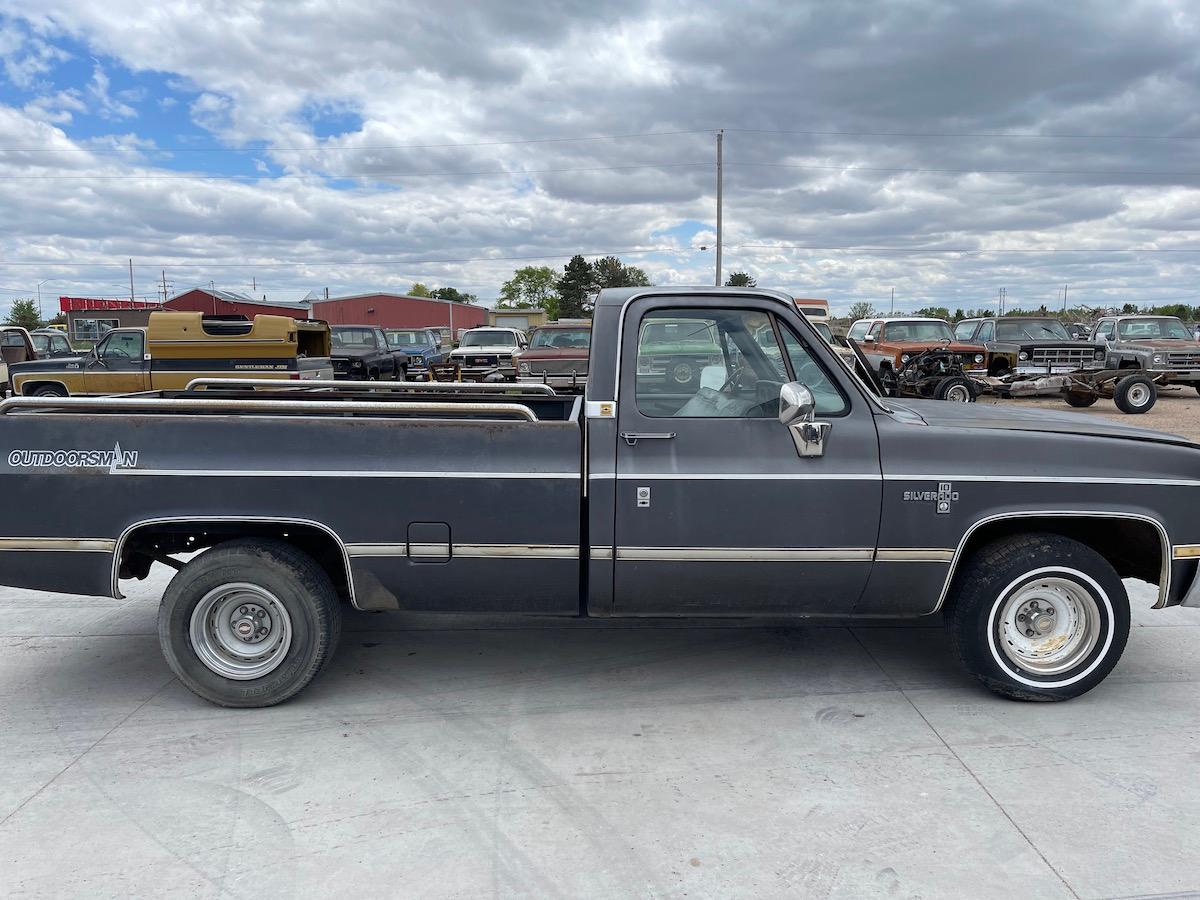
(561, 339)
(917, 331)
(353, 338)
(1155, 329)
(1030, 330)
(489, 339)
(679, 333)
(41, 342)
(859, 329)
(406, 338)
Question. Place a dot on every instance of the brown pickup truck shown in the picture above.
(889, 344)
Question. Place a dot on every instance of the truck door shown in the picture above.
(117, 365)
(716, 512)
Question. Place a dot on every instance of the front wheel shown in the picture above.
(1135, 394)
(1038, 617)
(249, 623)
(955, 389)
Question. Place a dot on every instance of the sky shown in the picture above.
(938, 150)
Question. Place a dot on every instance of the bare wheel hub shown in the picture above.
(1048, 626)
(240, 631)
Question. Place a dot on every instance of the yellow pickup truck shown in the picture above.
(176, 347)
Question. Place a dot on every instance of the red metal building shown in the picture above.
(232, 303)
(399, 311)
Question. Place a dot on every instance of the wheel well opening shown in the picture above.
(160, 542)
(1134, 547)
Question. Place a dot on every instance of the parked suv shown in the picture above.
(1153, 344)
(422, 346)
(488, 351)
(890, 343)
(1029, 345)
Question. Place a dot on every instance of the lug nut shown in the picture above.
(1020, 617)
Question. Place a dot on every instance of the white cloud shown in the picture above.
(107, 105)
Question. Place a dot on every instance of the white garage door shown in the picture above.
(521, 323)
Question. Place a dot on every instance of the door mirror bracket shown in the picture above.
(797, 411)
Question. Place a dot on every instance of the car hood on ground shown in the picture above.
(1002, 417)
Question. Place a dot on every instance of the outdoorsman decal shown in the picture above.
(113, 459)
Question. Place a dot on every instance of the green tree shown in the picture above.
(58, 319)
(576, 287)
(453, 295)
(933, 312)
(1129, 309)
(419, 290)
(531, 287)
(741, 279)
(862, 310)
(610, 272)
(25, 314)
(959, 315)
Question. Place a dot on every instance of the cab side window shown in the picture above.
(1104, 331)
(707, 363)
(122, 346)
(875, 331)
(987, 332)
(964, 330)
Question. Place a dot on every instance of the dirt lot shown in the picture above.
(1177, 411)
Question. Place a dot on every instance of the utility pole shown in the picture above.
(253, 285)
(164, 274)
(1065, 286)
(893, 312)
(131, 283)
(720, 198)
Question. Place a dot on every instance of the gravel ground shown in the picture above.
(1177, 411)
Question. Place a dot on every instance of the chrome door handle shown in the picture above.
(632, 437)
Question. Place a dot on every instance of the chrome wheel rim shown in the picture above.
(240, 631)
(682, 373)
(1048, 626)
(958, 393)
(1138, 395)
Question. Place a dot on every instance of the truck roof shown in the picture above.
(620, 296)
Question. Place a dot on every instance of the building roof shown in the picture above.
(395, 297)
(239, 297)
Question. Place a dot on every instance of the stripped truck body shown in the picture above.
(778, 485)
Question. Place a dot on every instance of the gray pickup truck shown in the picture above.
(777, 485)
(1160, 345)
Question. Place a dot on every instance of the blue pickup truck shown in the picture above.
(776, 483)
(422, 345)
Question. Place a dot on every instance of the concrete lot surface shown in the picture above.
(587, 759)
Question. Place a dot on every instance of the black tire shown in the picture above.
(293, 579)
(1135, 394)
(956, 389)
(50, 390)
(888, 381)
(991, 585)
(1080, 400)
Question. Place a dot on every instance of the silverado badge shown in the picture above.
(941, 498)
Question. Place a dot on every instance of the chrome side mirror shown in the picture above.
(797, 411)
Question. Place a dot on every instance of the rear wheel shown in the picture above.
(249, 623)
(50, 390)
(1080, 400)
(1135, 394)
(1038, 617)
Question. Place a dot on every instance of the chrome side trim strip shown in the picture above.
(1164, 579)
(201, 520)
(1046, 479)
(340, 473)
(738, 476)
(602, 552)
(59, 545)
(466, 551)
(1186, 551)
(914, 554)
(744, 554)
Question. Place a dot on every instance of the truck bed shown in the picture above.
(411, 485)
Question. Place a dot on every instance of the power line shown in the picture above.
(368, 176)
(969, 251)
(323, 149)
(975, 134)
